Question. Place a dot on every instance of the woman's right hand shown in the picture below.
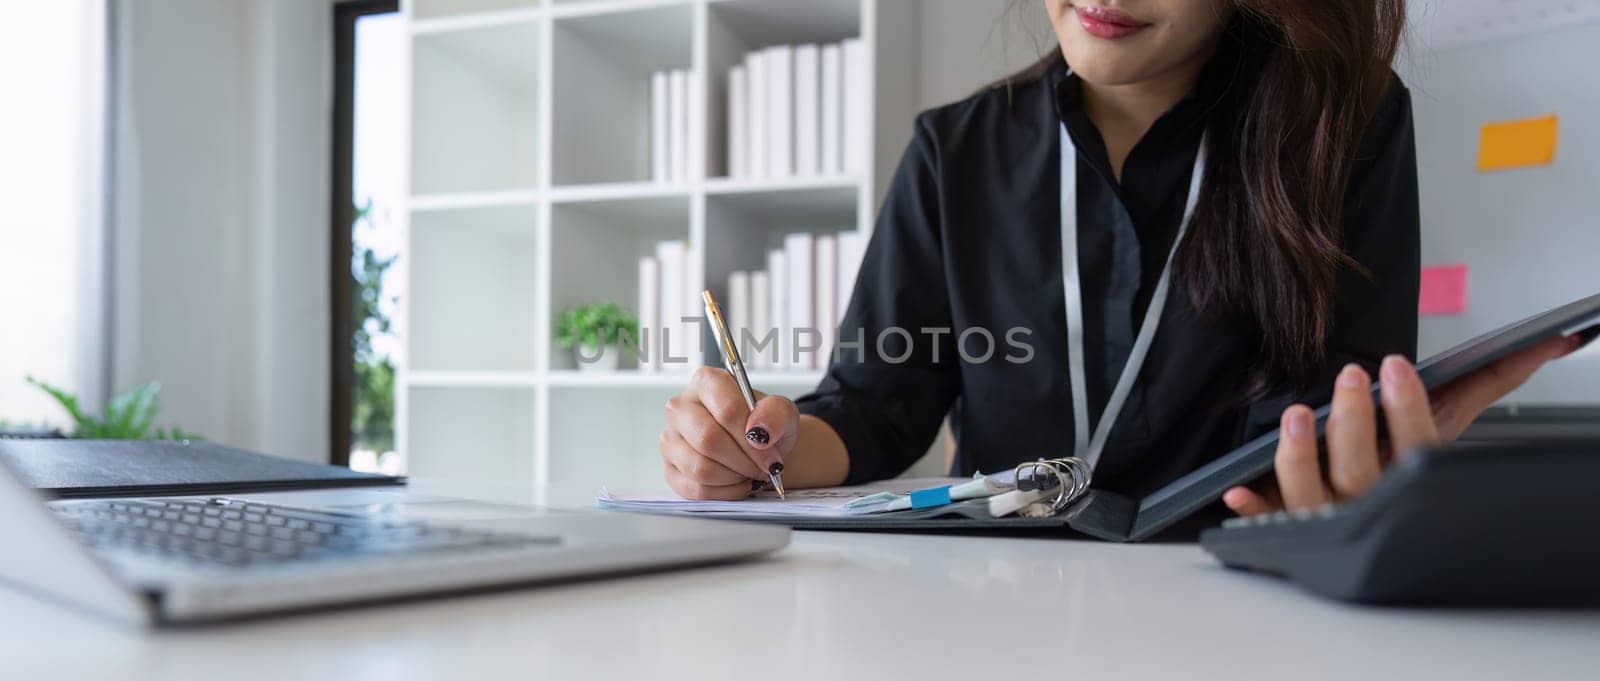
(714, 447)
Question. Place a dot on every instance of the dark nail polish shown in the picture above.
(758, 436)
(775, 469)
(756, 485)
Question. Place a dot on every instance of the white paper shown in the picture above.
(807, 123)
(826, 502)
(660, 171)
(828, 107)
(738, 127)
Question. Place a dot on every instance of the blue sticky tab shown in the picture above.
(933, 496)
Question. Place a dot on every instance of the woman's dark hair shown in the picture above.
(1267, 243)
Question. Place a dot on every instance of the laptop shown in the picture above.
(164, 560)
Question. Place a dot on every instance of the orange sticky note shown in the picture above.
(1444, 290)
(1516, 144)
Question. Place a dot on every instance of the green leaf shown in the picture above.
(68, 401)
(129, 415)
(601, 323)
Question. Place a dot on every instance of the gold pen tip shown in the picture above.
(706, 296)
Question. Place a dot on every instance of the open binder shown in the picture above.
(1115, 517)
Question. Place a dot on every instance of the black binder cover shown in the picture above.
(1114, 517)
(100, 468)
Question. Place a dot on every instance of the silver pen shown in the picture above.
(735, 366)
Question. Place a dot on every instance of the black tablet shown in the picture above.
(1243, 465)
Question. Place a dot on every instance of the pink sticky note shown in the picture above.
(1444, 290)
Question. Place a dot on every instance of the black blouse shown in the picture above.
(968, 240)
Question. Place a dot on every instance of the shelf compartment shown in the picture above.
(602, 67)
(473, 280)
(600, 242)
(615, 191)
(737, 27)
(472, 379)
(776, 382)
(743, 226)
(482, 435)
(474, 114)
(609, 436)
(562, 9)
(442, 9)
(433, 202)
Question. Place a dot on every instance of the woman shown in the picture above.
(1253, 159)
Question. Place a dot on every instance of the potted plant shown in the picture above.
(129, 416)
(595, 332)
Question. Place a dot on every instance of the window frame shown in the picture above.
(342, 284)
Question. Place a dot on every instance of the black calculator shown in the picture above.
(1468, 524)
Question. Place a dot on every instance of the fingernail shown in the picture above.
(1353, 376)
(1394, 369)
(1296, 423)
(756, 485)
(775, 469)
(758, 436)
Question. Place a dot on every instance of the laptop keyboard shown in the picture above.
(235, 533)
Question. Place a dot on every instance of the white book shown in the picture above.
(738, 132)
(828, 107)
(671, 256)
(648, 344)
(778, 307)
(807, 117)
(800, 259)
(856, 123)
(780, 111)
(851, 246)
(827, 320)
(659, 141)
(755, 70)
(678, 119)
(694, 307)
(738, 307)
(760, 320)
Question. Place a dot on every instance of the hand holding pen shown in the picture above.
(715, 444)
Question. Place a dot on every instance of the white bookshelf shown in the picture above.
(530, 192)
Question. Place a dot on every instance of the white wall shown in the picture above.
(966, 44)
(221, 216)
(51, 129)
(1531, 236)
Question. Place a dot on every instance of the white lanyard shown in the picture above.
(1083, 446)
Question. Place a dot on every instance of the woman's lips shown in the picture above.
(1104, 22)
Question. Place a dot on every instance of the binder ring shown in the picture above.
(1070, 477)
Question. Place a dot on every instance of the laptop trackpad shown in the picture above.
(400, 504)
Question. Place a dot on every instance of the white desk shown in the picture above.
(962, 606)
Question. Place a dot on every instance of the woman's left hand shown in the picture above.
(1356, 456)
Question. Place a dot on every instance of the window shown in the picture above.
(52, 60)
(367, 239)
